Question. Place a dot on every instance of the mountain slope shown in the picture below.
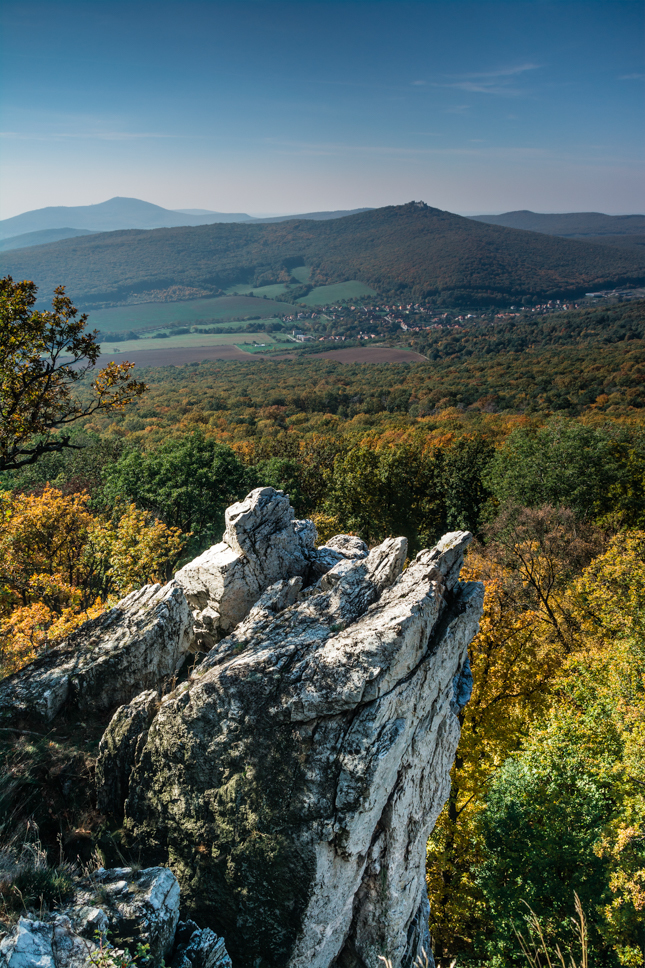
(43, 237)
(406, 251)
(572, 224)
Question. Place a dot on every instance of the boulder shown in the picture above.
(112, 912)
(45, 944)
(138, 907)
(196, 948)
(136, 645)
(292, 782)
(262, 544)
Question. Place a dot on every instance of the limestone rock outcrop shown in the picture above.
(262, 544)
(136, 645)
(288, 785)
(292, 781)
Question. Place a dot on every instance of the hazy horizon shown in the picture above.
(469, 214)
(276, 108)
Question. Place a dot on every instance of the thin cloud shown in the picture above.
(505, 71)
(499, 82)
(631, 77)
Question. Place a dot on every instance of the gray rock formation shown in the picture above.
(262, 544)
(45, 944)
(119, 908)
(135, 645)
(292, 782)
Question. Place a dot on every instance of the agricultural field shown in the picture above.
(209, 311)
(324, 295)
(180, 355)
(187, 340)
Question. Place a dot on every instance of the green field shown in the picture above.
(301, 273)
(243, 340)
(189, 313)
(263, 345)
(324, 295)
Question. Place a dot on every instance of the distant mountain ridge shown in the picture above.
(124, 213)
(116, 213)
(314, 216)
(403, 252)
(568, 225)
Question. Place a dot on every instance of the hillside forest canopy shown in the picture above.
(530, 434)
(412, 252)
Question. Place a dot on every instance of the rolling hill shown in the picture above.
(403, 252)
(574, 225)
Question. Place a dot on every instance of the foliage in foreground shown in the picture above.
(43, 356)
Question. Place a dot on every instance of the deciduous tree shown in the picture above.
(43, 357)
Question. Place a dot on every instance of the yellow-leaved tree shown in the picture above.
(608, 680)
(61, 565)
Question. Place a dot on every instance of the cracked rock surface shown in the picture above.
(137, 644)
(262, 544)
(292, 782)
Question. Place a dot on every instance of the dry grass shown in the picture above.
(28, 881)
(422, 961)
(534, 945)
(535, 948)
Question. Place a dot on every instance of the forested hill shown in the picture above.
(407, 251)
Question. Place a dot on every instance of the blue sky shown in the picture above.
(268, 107)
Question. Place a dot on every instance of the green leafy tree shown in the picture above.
(593, 471)
(188, 482)
(43, 356)
(384, 492)
(543, 823)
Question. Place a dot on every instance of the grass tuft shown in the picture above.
(28, 882)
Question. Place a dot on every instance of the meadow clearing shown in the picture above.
(191, 312)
